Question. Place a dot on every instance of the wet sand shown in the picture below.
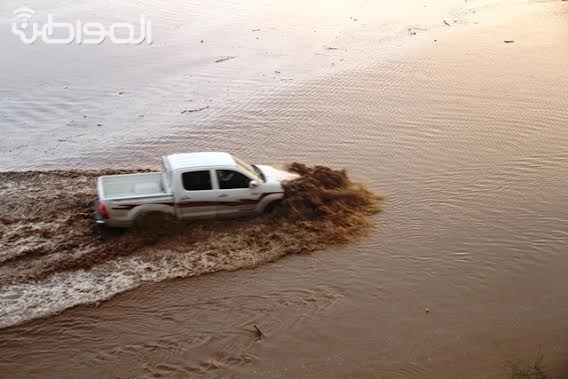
(464, 134)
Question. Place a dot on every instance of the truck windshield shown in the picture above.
(252, 170)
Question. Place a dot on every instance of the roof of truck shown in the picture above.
(204, 159)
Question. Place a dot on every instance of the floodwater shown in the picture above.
(465, 135)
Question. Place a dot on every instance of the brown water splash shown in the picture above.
(47, 225)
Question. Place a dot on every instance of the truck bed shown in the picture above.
(116, 187)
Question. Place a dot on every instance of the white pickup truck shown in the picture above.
(193, 185)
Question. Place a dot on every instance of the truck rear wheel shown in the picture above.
(155, 221)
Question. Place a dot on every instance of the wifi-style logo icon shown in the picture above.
(24, 15)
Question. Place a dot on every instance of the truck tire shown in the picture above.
(154, 220)
(270, 207)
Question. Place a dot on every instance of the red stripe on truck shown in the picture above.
(189, 204)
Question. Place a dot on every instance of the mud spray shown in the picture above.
(52, 255)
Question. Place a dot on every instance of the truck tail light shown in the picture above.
(103, 211)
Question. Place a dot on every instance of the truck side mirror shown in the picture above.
(253, 184)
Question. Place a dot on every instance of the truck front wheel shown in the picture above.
(270, 207)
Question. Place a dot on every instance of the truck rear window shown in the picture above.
(196, 180)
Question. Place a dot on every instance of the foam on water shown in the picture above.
(24, 301)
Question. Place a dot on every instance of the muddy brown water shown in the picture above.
(52, 232)
(465, 268)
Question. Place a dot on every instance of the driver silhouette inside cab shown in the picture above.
(225, 176)
(229, 179)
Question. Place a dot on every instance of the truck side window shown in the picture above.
(197, 180)
(229, 179)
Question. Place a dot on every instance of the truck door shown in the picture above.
(196, 196)
(235, 196)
